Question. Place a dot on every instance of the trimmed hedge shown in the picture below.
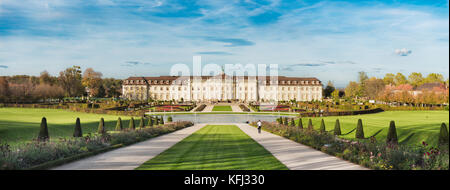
(392, 134)
(337, 128)
(322, 127)
(200, 108)
(443, 135)
(77, 132)
(119, 126)
(310, 125)
(359, 130)
(300, 123)
(101, 127)
(131, 126)
(43, 132)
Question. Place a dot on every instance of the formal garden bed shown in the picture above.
(367, 151)
(45, 152)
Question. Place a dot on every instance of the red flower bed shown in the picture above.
(168, 108)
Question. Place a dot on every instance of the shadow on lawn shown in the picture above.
(20, 132)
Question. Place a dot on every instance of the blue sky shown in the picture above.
(330, 40)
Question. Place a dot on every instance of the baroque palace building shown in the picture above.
(222, 88)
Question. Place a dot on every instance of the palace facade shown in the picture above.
(222, 88)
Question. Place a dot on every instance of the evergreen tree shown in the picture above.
(300, 123)
(169, 119)
(392, 134)
(119, 126)
(156, 120)
(322, 126)
(280, 120)
(77, 132)
(292, 122)
(310, 125)
(43, 132)
(359, 130)
(131, 125)
(150, 121)
(141, 123)
(101, 127)
(443, 135)
(337, 128)
(285, 121)
(162, 120)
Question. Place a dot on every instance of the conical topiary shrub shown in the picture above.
(392, 134)
(359, 130)
(337, 128)
(156, 120)
(285, 121)
(131, 125)
(292, 124)
(443, 135)
(150, 121)
(310, 125)
(300, 123)
(322, 126)
(101, 127)
(280, 120)
(162, 120)
(119, 126)
(43, 132)
(141, 123)
(77, 132)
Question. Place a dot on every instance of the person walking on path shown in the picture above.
(259, 126)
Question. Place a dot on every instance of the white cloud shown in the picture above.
(403, 52)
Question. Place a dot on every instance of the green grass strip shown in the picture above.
(222, 108)
(215, 147)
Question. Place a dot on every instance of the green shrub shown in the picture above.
(392, 134)
(322, 127)
(292, 122)
(156, 120)
(285, 121)
(131, 125)
(101, 127)
(162, 120)
(141, 123)
(150, 121)
(280, 120)
(310, 125)
(443, 135)
(43, 132)
(77, 132)
(300, 123)
(359, 130)
(169, 119)
(119, 126)
(337, 128)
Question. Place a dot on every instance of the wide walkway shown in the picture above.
(130, 157)
(295, 155)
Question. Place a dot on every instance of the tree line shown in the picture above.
(71, 82)
(394, 88)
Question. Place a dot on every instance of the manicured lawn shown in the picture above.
(19, 125)
(222, 108)
(413, 127)
(215, 147)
